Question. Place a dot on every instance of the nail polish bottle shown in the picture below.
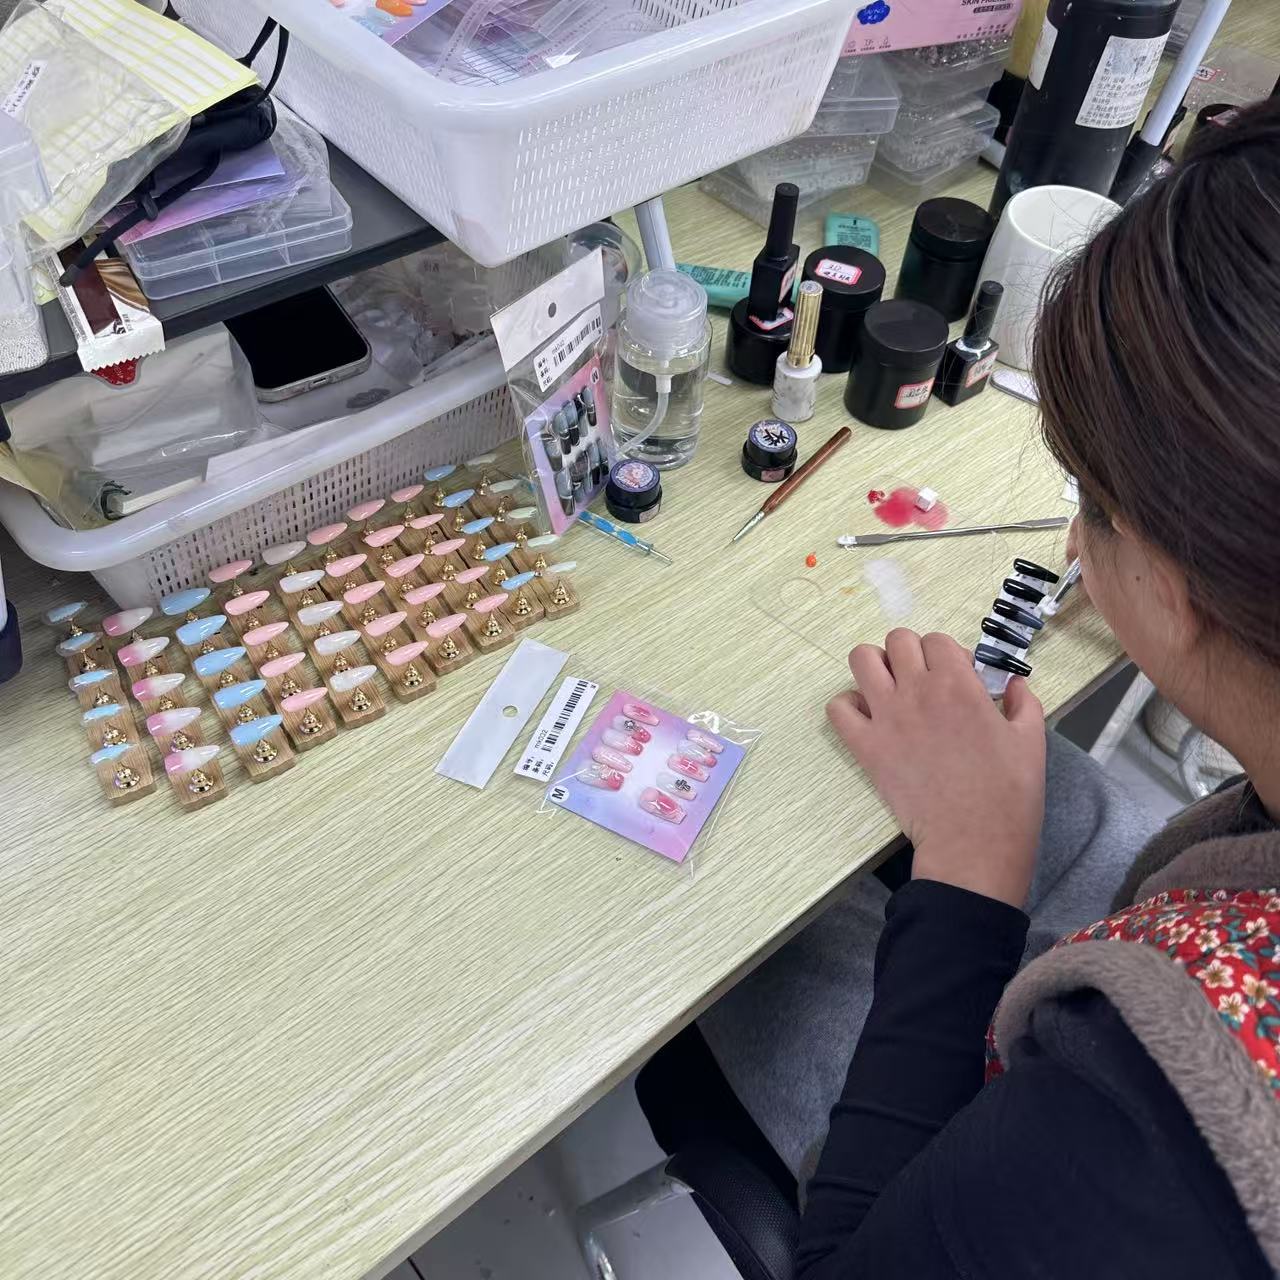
(795, 377)
(967, 364)
(760, 325)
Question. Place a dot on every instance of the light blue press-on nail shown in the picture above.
(64, 612)
(245, 735)
(476, 526)
(514, 584)
(201, 629)
(233, 695)
(498, 552)
(73, 644)
(183, 601)
(104, 754)
(215, 663)
(85, 678)
(457, 497)
(101, 713)
(439, 473)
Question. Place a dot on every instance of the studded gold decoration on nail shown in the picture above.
(125, 779)
(389, 644)
(246, 714)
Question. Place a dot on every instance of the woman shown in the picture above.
(1130, 1122)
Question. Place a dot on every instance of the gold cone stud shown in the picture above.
(180, 742)
(360, 701)
(523, 607)
(288, 687)
(87, 663)
(427, 616)
(103, 700)
(493, 628)
(208, 647)
(560, 595)
(368, 614)
(340, 663)
(199, 782)
(166, 703)
(125, 779)
(246, 714)
(112, 737)
(265, 752)
(309, 724)
(412, 677)
(150, 669)
(448, 650)
(390, 644)
(271, 651)
(226, 680)
(307, 598)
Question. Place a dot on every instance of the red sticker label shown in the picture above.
(840, 272)
(911, 395)
(781, 318)
(982, 369)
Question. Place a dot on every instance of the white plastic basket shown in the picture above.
(504, 168)
(307, 480)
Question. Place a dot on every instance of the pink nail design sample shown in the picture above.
(471, 575)
(169, 722)
(638, 711)
(407, 494)
(490, 603)
(246, 603)
(623, 742)
(232, 569)
(303, 699)
(191, 758)
(281, 665)
(705, 740)
(632, 728)
(448, 547)
(312, 615)
(140, 651)
(388, 622)
(120, 624)
(661, 806)
(157, 686)
(340, 568)
(610, 758)
(365, 591)
(601, 776)
(674, 785)
(691, 751)
(404, 654)
(420, 595)
(438, 630)
(690, 768)
(380, 537)
(402, 568)
(265, 634)
(324, 535)
(425, 522)
(363, 510)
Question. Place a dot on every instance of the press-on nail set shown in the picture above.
(401, 592)
(1017, 617)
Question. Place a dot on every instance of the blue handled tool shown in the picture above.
(611, 530)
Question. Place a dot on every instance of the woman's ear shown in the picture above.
(1152, 576)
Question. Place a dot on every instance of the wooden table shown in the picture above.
(294, 1034)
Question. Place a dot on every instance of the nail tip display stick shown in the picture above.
(793, 482)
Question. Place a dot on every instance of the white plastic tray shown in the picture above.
(500, 169)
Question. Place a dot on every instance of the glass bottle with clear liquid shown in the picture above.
(663, 352)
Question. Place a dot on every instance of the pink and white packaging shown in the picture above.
(882, 25)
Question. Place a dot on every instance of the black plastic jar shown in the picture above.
(634, 491)
(769, 451)
(851, 280)
(943, 259)
(902, 346)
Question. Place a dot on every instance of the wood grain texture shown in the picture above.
(294, 1035)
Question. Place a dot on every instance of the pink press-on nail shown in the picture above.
(407, 494)
(660, 805)
(674, 785)
(281, 665)
(363, 510)
(340, 568)
(380, 537)
(690, 768)
(325, 534)
(438, 630)
(264, 634)
(157, 686)
(404, 654)
(425, 522)
(388, 622)
(301, 700)
(691, 751)
(191, 758)
(610, 758)
(623, 742)
(246, 603)
(402, 568)
(632, 728)
(489, 603)
(448, 547)
(639, 711)
(365, 591)
(229, 571)
(169, 722)
(420, 595)
(140, 651)
(704, 740)
(473, 574)
(598, 775)
(120, 624)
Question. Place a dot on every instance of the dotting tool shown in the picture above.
(793, 482)
(611, 530)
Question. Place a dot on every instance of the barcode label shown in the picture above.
(556, 728)
(557, 355)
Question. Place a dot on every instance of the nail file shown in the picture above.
(555, 729)
(502, 713)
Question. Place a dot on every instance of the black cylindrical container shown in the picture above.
(902, 346)
(851, 281)
(634, 491)
(1089, 79)
(769, 451)
(944, 254)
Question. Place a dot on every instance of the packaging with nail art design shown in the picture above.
(649, 775)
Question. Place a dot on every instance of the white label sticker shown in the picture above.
(21, 91)
(1120, 82)
(1044, 51)
(981, 369)
(841, 272)
(911, 395)
(551, 737)
(558, 354)
(787, 281)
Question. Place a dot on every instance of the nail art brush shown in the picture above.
(793, 482)
(611, 530)
(881, 539)
(1069, 580)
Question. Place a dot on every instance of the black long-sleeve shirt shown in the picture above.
(1080, 1160)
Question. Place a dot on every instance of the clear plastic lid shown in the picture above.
(666, 313)
(22, 182)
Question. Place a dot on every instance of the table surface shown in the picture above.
(294, 1034)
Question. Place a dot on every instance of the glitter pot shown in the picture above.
(769, 452)
(902, 347)
(634, 491)
(852, 280)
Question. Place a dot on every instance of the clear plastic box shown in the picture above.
(825, 163)
(861, 99)
(921, 80)
(729, 187)
(922, 142)
(22, 189)
(924, 184)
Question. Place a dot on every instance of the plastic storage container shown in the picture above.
(912, 188)
(861, 98)
(731, 188)
(811, 162)
(926, 76)
(502, 168)
(919, 142)
(22, 189)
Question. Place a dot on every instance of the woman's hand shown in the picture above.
(965, 781)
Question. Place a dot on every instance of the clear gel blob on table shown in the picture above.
(664, 346)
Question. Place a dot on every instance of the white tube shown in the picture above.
(1184, 70)
(651, 218)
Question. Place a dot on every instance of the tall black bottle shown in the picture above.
(1088, 82)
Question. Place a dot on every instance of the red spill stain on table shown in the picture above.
(898, 509)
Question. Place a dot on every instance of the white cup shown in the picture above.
(1039, 227)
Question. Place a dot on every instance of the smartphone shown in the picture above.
(300, 343)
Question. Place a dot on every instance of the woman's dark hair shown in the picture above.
(1157, 359)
